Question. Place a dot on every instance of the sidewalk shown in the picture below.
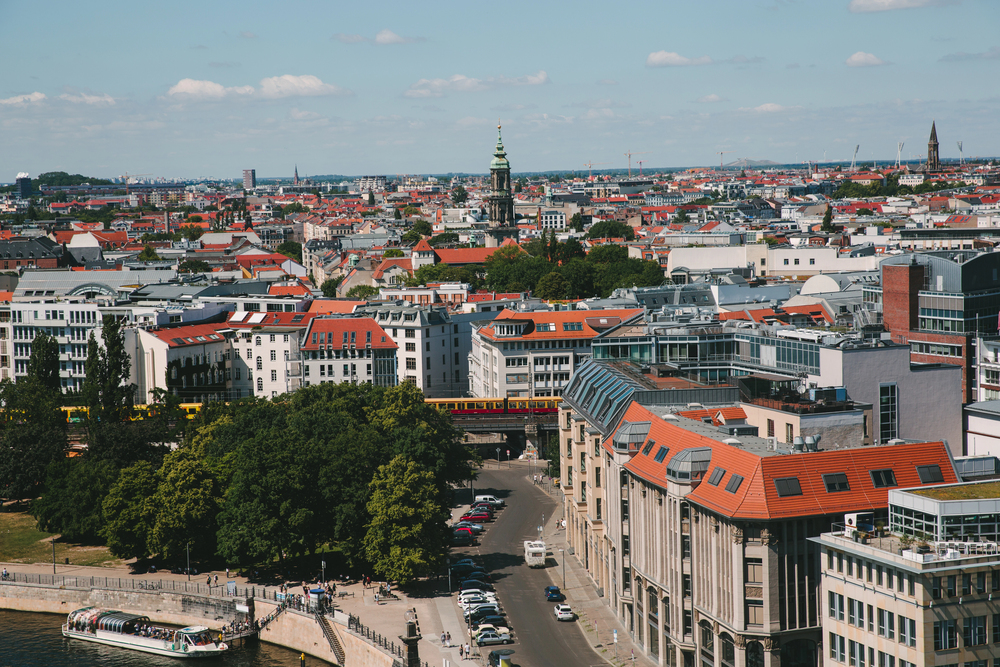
(596, 619)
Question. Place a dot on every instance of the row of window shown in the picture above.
(546, 344)
(947, 586)
(886, 620)
(853, 653)
(873, 573)
(973, 628)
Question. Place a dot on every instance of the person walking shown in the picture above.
(449, 639)
(443, 639)
(468, 651)
(461, 652)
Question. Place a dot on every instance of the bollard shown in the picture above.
(302, 660)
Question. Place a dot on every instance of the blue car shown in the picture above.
(553, 594)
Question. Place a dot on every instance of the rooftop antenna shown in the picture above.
(854, 160)
(961, 157)
(899, 150)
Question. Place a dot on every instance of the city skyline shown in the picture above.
(204, 92)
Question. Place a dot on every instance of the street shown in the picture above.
(542, 641)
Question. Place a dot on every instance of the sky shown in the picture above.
(206, 89)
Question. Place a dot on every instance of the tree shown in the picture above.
(827, 225)
(392, 252)
(397, 215)
(73, 492)
(148, 255)
(195, 218)
(194, 266)
(191, 232)
(422, 227)
(863, 211)
(682, 217)
(611, 229)
(362, 292)
(411, 237)
(571, 249)
(407, 535)
(459, 196)
(129, 511)
(290, 249)
(189, 495)
(442, 239)
(371, 198)
(552, 286)
(33, 435)
(576, 222)
(510, 269)
(329, 287)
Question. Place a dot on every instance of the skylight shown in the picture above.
(788, 486)
(716, 476)
(661, 454)
(930, 474)
(734, 483)
(648, 447)
(883, 478)
(836, 481)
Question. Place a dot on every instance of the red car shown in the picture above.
(476, 517)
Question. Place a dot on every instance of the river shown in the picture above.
(35, 640)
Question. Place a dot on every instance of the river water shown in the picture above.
(35, 640)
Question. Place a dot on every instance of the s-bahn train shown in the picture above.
(497, 406)
(76, 414)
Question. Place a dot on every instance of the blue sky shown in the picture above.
(205, 89)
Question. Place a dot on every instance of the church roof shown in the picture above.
(499, 155)
(933, 138)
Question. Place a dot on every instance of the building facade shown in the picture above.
(249, 179)
(348, 349)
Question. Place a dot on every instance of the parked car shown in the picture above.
(490, 638)
(476, 600)
(474, 527)
(564, 613)
(463, 569)
(462, 531)
(462, 540)
(483, 507)
(492, 500)
(479, 612)
(553, 594)
(479, 575)
(475, 583)
(498, 620)
(487, 627)
(476, 517)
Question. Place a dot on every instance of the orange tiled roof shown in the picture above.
(590, 320)
(320, 306)
(323, 332)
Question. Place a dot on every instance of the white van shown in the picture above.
(492, 500)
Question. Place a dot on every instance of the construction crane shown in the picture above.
(128, 175)
(639, 162)
(720, 154)
(590, 169)
(630, 154)
(961, 156)
(854, 160)
(899, 150)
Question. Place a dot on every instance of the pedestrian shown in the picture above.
(376, 597)
(227, 573)
(461, 652)
(468, 652)
(443, 640)
(209, 582)
(449, 639)
(534, 479)
(216, 580)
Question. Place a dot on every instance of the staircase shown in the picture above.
(331, 637)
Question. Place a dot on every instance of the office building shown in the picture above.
(249, 179)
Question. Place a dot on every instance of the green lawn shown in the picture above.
(22, 542)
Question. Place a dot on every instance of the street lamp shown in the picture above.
(189, 560)
(498, 457)
(562, 555)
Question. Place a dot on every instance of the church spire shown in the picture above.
(933, 138)
(933, 156)
(296, 181)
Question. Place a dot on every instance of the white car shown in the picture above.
(501, 630)
(476, 600)
(564, 613)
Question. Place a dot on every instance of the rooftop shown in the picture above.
(981, 491)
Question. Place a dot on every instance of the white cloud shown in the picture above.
(30, 98)
(289, 85)
(862, 59)
(671, 59)
(348, 39)
(84, 98)
(459, 83)
(389, 37)
(710, 99)
(863, 6)
(992, 54)
(246, 34)
(296, 114)
(768, 107)
(206, 90)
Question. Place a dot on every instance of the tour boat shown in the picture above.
(134, 631)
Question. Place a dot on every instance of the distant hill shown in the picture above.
(62, 178)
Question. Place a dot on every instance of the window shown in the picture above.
(789, 433)
(883, 478)
(945, 635)
(755, 571)
(836, 606)
(835, 482)
(930, 474)
(260, 363)
(812, 261)
(661, 454)
(886, 624)
(838, 645)
(908, 631)
(788, 486)
(258, 340)
(734, 483)
(770, 428)
(645, 450)
(974, 631)
(274, 376)
(716, 476)
(260, 384)
(887, 411)
(274, 355)
(755, 612)
(411, 347)
(411, 364)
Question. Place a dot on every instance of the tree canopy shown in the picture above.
(610, 229)
(148, 255)
(361, 292)
(459, 196)
(329, 287)
(290, 249)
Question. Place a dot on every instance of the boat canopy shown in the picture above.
(120, 621)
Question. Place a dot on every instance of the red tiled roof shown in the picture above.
(591, 322)
(192, 334)
(319, 306)
(331, 332)
(757, 496)
(297, 289)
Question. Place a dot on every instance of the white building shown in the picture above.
(70, 323)
(552, 219)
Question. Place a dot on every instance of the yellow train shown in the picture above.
(76, 414)
(497, 406)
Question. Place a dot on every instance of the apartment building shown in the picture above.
(701, 539)
(348, 349)
(525, 354)
(923, 593)
(70, 323)
(429, 346)
(266, 360)
(192, 362)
